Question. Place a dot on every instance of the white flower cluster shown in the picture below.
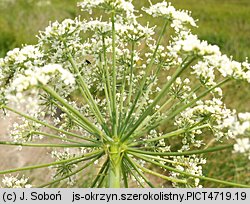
(189, 44)
(135, 32)
(18, 60)
(68, 28)
(60, 38)
(89, 5)
(24, 91)
(180, 89)
(42, 75)
(97, 25)
(179, 19)
(242, 146)
(62, 155)
(228, 67)
(15, 182)
(66, 168)
(117, 5)
(212, 112)
(236, 126)
(191, 165)
(23, 131)
(205, 73)
(241, 127)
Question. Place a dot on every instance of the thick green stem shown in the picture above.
(115, 166)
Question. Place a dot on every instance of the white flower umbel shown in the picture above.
(42, 75)
(187, 43)
(180, 20)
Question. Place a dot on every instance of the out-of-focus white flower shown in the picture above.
(242, 145)
(15, 182)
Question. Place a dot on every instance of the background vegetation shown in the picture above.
(222, 22)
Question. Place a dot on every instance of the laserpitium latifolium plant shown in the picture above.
(112, 93)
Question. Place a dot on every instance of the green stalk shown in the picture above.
(107, 79)
(159, 175)
(105, 173)
(148, 69)
(141, 105)
(52, 93)
(142, 131)
(124, 175)
(108, 99)
(165, 160)
(158, 97)
(76, 120)
(158, 121)
(100, 173)
(115, 116)
(74, 172)
(47, 145)
(88, 97)
(130, 78)
(132, 163)
(48, 125)
(121, 102)
(125, 73)
(195, 176)
(134, 175)
(183, 107)
(170, 134)
(45, 165)
(95, 130)
(54, 136)
(213, 149)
